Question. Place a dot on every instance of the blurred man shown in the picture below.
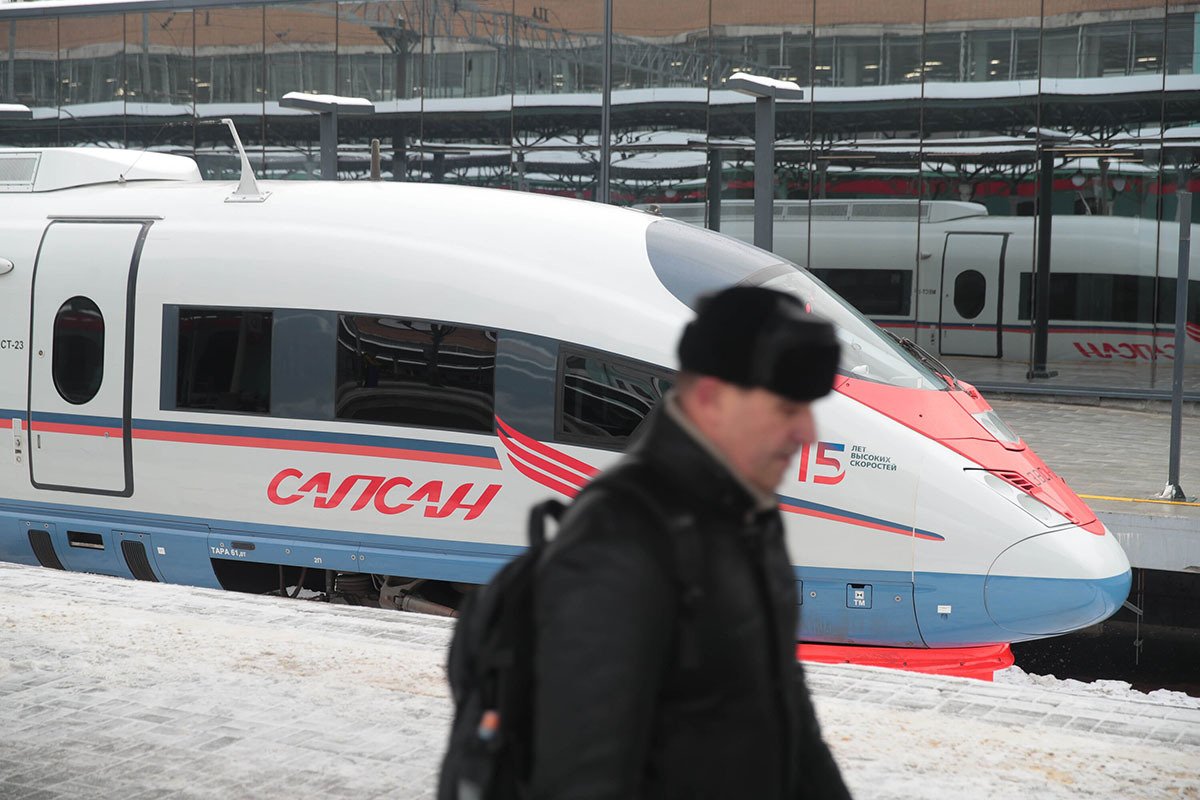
(666, 606)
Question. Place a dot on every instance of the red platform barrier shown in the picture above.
(979, 662)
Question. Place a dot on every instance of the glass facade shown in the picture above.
(910, 175)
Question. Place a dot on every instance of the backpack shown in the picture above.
(490, 667)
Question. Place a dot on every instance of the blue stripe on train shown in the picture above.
(281, 434)
(905, 609)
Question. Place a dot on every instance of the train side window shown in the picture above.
(224, 360)
(78, 355)
(970, 293)
(409, 372)
(1166, 301)
(874, 292)
(603, 398)
(1095, 296)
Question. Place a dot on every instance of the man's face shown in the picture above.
(759, 432)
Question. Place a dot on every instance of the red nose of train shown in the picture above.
(1069, 574)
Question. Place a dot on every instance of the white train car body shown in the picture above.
(959, 282)
(380, 379)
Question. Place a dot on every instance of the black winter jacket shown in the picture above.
(619, 715)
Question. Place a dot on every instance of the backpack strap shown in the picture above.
(684, 562)
(537, 520)
(508, 626)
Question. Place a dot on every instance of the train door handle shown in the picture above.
(16, 434)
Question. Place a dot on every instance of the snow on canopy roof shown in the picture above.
(1149, 138)
(356, 103)
(993, 90)
(58, 6)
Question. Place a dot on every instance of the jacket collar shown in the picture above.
(694, 465)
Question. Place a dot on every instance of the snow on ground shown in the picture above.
(889, 751)
(1019, 677)
(113, 688)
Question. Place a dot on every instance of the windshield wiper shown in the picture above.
(938, 368)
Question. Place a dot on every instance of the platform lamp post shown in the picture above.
(1173, 491)
(716, 178)
(765, 91)
(603, 177)
(14, 111)
(330, 107)
(1041, 270)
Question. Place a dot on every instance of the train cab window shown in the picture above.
(409, 372)
(970, 293)
(604, 398)
(874, 292)
(224, 360)
(690, 262)
(78, 350)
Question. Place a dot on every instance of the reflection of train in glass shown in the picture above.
(363, 387)
(965, 286)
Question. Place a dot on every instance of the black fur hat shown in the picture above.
(756, 337)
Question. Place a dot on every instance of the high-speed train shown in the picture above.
(361, 388)
(959, 282)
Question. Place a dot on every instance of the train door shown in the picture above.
(81, 343)
(972, 288)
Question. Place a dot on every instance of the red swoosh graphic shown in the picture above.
(548, 482)
(543, 464)
(533, 460)
(587, 470)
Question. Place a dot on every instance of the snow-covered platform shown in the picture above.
(117, 689)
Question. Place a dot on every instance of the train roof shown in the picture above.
(56, 168)
(864, 210)
(564, 268)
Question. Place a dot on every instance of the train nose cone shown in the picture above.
(1091, 579)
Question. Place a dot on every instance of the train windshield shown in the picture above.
(692, 262)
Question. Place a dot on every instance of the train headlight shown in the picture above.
(992, 423)
(1027, 503)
